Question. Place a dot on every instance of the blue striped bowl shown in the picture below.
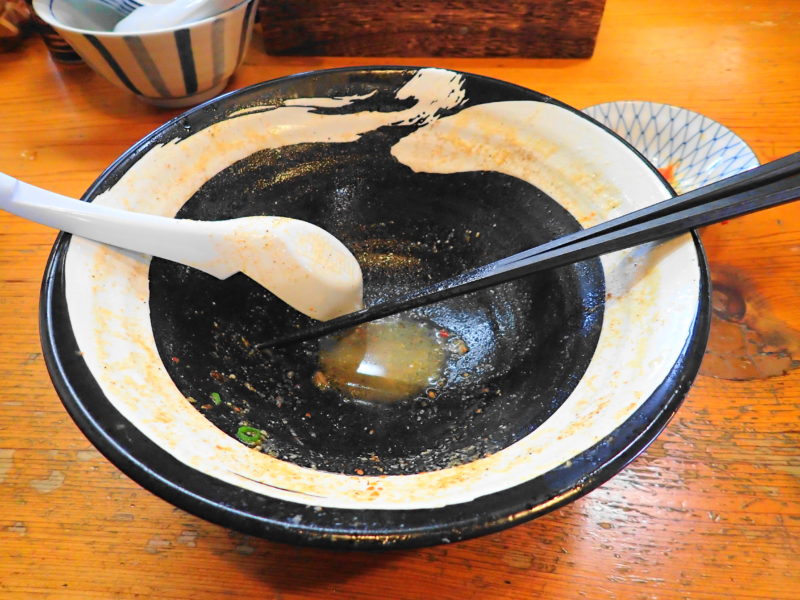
(168, 67)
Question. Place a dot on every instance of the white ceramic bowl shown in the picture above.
(175, 67)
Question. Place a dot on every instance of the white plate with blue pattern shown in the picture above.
(688, 148)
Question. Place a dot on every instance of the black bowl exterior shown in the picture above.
(256, 514)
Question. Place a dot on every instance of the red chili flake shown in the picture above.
(319, 379)
(175, 359)
(308, 415)
(668, 173)
(217, 375)
(359, 472)
(442, 333)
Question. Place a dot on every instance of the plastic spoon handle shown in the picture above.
(185, 241)
(302, 264)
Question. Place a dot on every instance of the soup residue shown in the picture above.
(382, 361)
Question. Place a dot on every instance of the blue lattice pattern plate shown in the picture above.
(688, 148)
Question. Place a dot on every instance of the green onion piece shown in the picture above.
(249, 435)
(216, 399)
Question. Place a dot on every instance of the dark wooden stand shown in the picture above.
(456, 28)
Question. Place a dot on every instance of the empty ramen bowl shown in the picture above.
(516, 399)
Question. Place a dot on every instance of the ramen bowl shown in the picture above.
(538, 390)
(178, 66)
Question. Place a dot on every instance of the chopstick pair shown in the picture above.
(768, 185)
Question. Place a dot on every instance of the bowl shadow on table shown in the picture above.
(292, 568)
(513, 559)
(86, 87)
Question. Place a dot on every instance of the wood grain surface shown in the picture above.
(711, 510)
(466, 28)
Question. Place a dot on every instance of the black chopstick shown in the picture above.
(741, 182)
(771, 184)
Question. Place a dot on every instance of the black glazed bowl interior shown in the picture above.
(551, 384)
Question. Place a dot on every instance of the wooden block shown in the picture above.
(456, 28)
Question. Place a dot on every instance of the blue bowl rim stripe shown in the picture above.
(183, 44)
(146, 63)
(245, 30)
(113, 64)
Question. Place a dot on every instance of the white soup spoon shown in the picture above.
(302, 264)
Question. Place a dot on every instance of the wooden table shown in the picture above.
(711, 510)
